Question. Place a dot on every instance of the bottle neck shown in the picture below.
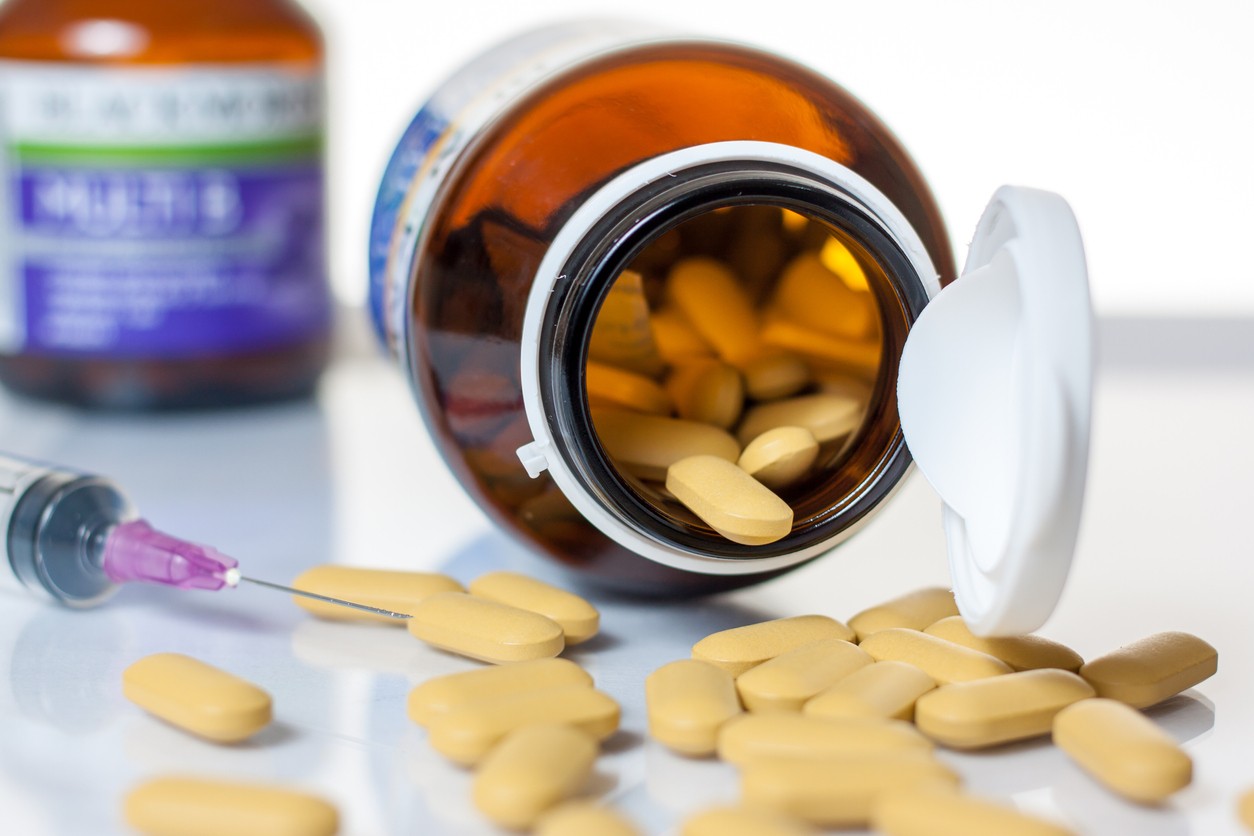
(611, 229)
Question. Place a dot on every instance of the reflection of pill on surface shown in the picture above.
(183, 806)
(939, 812)
(914, 610)
(483, 629)
(729, 500)
(688, 702)
(987, 712)
(886, 690)
(197, 697)
(827, 417)
(386, 589)
(468, 732)
(1023, 653)
(741, 648)
(1149, 671)
(743, 821)
(944, 661)
(756, 736)
(646, 445)
(530, 771)
(444, 693)
(1123, 749)
(787, 681)
(620, 389)
(779, 457)
(579, 619)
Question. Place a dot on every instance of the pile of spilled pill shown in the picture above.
(831, 724)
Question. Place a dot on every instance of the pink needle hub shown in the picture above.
(135, 551)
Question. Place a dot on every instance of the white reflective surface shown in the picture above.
(353, 478)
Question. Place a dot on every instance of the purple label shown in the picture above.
(170, 261)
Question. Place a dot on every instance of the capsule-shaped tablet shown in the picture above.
(712, 300)
(741, 648)
(754, 736)
(688, 702)
(579, 619)
(647, 445)
(779, 457)
(942, 660)
(774, 375)
(838, 258)
(811, 295)
(743, 821)
(1023, 653)
(620, 389)
(883, 690)
(1245, 809)
(621, 335)
(827, 417)
(837, 792)
(677, 341)
(986, 712)
(729, 500)
(483, 629)
(197, 697)
(1149, 671)
(1122, 749)
(444, 693)
(530, 771)
(936, 812)
(914, 610)
(786, 682)
(383, 588)
(709, 391)
(185, 806)
(824, 352)
(583, 818)
(468, 732)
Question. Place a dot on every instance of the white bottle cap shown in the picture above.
(994, 395)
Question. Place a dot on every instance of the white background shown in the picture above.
(1141, 114)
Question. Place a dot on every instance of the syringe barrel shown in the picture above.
(53, 523)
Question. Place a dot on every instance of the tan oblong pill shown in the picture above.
(712, 300)
(825, 352)
(787, 681)
(530, 771)
(1245, 809)
(743, 821)
(755, 736)
(987, 712)
(886, 690)
(584, 818)
(677, 341)
(779, 457)
(621, 389)
(914, 610)
(186, 806)
(647, 445)
(934, 812)
(468, 732)
(688, 701)
(578, 618)
(1023, 653)
(710, 392)
(729, 500)
(812, 295)
(483, 629)
(1149, 671)
(197, 697)
(827, 417)
(1123, 749)
(837, 792)
(386, 589)
(741, 648)
(444, 693)
(621, 334)
(775, 375)
(942, 660)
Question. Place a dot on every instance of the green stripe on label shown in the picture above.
(241, 154)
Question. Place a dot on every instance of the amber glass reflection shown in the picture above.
(508, 198)
(166, 33)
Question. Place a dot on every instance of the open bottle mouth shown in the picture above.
(765, 221)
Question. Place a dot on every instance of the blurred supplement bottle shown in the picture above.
(161, 202)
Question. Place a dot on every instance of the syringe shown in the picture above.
(72, 538)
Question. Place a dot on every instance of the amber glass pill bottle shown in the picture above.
(535, 213)
(162, 202)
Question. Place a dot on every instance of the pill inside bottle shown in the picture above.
(780, 317)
